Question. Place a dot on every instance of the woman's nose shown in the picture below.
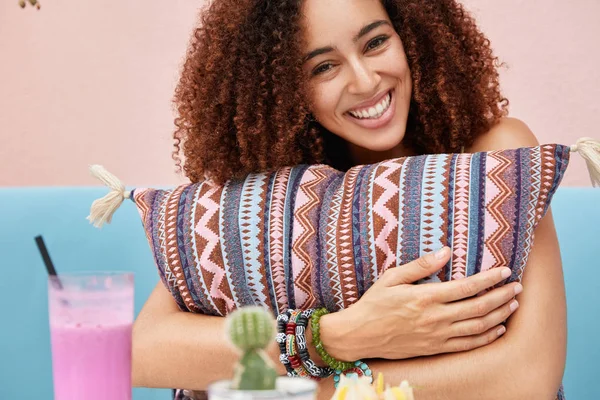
(364, 79)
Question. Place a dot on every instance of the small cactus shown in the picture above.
(251, 330)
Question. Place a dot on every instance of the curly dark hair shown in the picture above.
(242, 99)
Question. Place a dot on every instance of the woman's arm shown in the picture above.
(172, 348)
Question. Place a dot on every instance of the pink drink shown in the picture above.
(90, 329)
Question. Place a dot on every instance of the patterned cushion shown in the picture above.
(309, 236)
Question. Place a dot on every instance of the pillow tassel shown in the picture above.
(589, 149)
(103, 209)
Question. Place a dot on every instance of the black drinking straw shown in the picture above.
(47, 260)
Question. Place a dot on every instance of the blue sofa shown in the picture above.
(59, 215)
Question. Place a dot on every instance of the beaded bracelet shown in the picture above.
(312, 368)
(290, 346)
(316, 339)
(282, 320)
(359, 368)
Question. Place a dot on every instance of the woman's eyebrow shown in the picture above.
(363, 31)
(368, 28)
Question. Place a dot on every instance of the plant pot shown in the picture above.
(286, 389)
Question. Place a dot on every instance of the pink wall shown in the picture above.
(91, 82)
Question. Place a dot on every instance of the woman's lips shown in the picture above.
(376, 123)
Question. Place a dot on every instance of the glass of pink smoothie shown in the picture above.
(91, 316)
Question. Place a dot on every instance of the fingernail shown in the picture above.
(518, 288)
(501, 330)
(506, 272)
(441, 253)
(514, 305)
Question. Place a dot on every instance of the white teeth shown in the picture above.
(375, 111)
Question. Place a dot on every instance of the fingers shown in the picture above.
(482, 305)
(459, 289)
(477, 326)
(473, 342)
(418, 269)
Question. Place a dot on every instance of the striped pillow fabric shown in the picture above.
(311, 236)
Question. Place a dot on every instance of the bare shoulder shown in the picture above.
(509, 133)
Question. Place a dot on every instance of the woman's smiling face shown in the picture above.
(358, 74)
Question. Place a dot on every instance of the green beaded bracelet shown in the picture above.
(316, 340)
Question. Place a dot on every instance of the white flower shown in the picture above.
(360, 388)
(402, 392)
(354, 388)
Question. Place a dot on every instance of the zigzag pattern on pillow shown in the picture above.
(311, 236)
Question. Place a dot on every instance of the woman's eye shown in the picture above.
(322, 69)
(375, 43)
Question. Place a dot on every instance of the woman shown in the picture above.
(273, 83)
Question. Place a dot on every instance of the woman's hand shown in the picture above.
(396, 319)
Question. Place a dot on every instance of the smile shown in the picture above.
(375, 111)
(375, 116)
